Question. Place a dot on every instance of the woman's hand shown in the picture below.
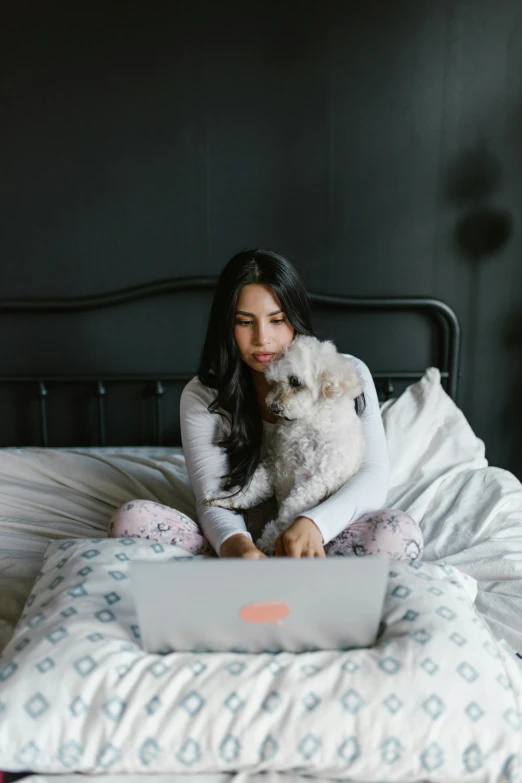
(302, 539)
(240, 545)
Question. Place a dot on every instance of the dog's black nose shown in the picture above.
(275, 407)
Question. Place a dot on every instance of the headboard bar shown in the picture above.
(154, 385)
(433, 307)
(110, 299)
(100, 390)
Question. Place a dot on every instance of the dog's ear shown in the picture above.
(331, 384)
(351, 384)
(341, 379)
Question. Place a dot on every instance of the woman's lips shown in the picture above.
(263, 357)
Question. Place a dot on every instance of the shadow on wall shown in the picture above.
(481, 233)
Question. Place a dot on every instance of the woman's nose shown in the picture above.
(260, 336)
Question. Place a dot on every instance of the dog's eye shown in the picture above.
(293, 381)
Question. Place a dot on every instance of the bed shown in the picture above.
(56, 497)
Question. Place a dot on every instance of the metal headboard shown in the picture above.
(440, 313)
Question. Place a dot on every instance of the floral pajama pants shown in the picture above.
(388, 532)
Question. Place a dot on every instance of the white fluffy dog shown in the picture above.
(318, 443)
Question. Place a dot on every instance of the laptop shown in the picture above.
(253, 606)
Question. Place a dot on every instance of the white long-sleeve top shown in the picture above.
(206, 462)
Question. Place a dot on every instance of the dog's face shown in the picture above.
(306, 373)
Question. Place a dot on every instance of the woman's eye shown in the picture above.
(293, 381)
(247, 323)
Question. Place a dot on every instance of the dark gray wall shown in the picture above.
(377, 144)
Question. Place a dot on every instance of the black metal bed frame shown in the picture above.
(444, 317)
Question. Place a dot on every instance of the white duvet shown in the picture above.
(471, 517)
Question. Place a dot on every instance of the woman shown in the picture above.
(259, 305)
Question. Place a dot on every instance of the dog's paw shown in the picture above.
(267, 549)
(266, 541)
(221, 501)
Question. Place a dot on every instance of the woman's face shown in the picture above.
(261, 329)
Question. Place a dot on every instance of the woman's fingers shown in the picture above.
(294, 548)
(289, 545)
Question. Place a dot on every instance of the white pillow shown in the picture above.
(429, 440)
(435, 699)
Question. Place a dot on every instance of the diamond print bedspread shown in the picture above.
(437, 698)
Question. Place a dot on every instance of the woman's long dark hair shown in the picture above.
(221, 366)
